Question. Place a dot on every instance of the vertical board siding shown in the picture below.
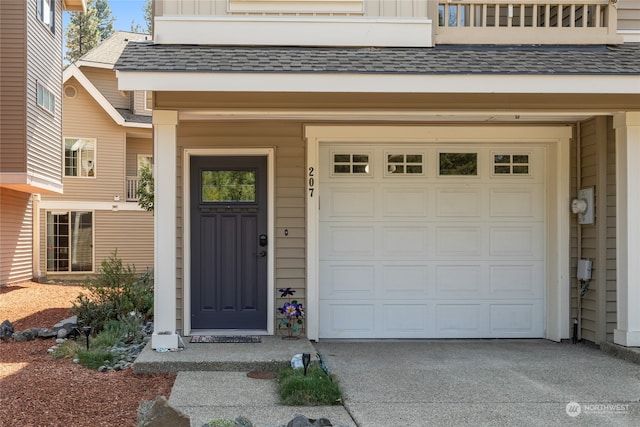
(287, 140)
(16, 240)
(44, 65)
(628, 15)
(13, 51)
(104, 80)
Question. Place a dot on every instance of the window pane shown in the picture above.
(228, 186)
(502, 158)
(520, 158)
(81, 241)
(520, 169)
(341, 169)
(79, 157)
(341, 158)
(414, 158)
(502, 169)
(414, 169)
(57, 241)
(459, 164)
(360, 158)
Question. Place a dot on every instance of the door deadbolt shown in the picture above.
(262, 239)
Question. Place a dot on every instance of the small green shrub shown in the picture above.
(112, 333)
(314, 389)
(94, 358)
(114, 292)
(67, 350)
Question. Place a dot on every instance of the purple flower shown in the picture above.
(286, 292)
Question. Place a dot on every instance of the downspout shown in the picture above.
(35, 249)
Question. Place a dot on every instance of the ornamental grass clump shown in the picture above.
(314, 389)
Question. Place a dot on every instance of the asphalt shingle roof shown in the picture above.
(128, 116)
(544, 60)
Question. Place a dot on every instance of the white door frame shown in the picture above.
(186, 223)
(556, 138)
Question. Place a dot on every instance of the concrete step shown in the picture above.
(267, 355)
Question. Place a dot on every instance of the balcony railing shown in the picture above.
(526, 22)
(132, 187)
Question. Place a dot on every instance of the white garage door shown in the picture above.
(432, 241)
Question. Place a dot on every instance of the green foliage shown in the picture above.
(105, 20)
(113, 332)
(314, 389)
(67, 350)
(148, 16)
(145, 189)
(94, 358)
(82, 33)
(114, 293)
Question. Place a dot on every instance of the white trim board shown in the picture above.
(556, 139)
(377, 83)
(186, 226)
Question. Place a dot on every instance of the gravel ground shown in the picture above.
(36, 390)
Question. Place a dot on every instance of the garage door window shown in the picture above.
(351, 164)
(511, 164)
(458, 164)
(404, 164)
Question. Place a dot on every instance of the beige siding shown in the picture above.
(84, 118)
(44, 65)
(15, 236)
(595, 169)
(610, 234)
(104, 80)
(137, 146)
(629, 15)
(286, 138)
(12, 86)
(140, 98)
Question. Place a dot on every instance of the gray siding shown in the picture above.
(15, 236)
(597, 163)
(286, 138)
(13, 51)
(629, 15)
(44, 65)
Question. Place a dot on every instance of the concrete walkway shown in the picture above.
(413, 383)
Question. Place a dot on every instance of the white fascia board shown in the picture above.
(377, 83)
(630, 36)
(83, 63)
(73, 71)
(80, 205)
(303, 31)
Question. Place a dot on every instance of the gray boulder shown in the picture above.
(302, 421)
(26, 335)
(6, 330)
(159, 413)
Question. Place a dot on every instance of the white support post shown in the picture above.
(627, 127)
(164, 171)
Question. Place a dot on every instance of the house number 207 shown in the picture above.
(311, 181)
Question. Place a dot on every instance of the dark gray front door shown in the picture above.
(229, 242)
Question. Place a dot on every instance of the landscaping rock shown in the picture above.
(159, 413)
(62, 333)
(67, 324)
(46, 333)
(302, 421)
(6, 330)
(26, 335)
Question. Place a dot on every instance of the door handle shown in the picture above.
(262, 253)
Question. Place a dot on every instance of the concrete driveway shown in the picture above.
(483, 382)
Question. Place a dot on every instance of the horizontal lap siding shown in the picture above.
(287, 141)
(15, 236)
(128, 232)
(137, 146)
(104, 80)
(610, 234)
(628, 15)
(12, 86)
(44, 65)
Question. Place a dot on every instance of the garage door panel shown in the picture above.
(459, 202)
(513, 281)
(517, 320)
(404, 320)
(350, 202)
(458, 281)
(459, 320)
(347, 320)
(405, 280)
(352, 240)
(518, 202)
(404, 202)
(516, 241)
(458, 241)
(404, 241)
(348, 281)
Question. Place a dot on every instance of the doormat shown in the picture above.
(234, 339)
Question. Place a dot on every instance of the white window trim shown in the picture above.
(556, 139)
(46, 93)
(146, 106)
(47, 15)
(95, 158)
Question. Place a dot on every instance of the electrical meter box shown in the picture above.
(584, 269)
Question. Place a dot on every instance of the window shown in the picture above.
(144, 161)
(229, 186)
(404, 164)
(69, 241)
(148, 101)
(511, 164)
(351, 164)
(46, 99)
(79, 157)
(46, 13)
(459, 164)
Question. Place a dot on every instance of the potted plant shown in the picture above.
(291, 314)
